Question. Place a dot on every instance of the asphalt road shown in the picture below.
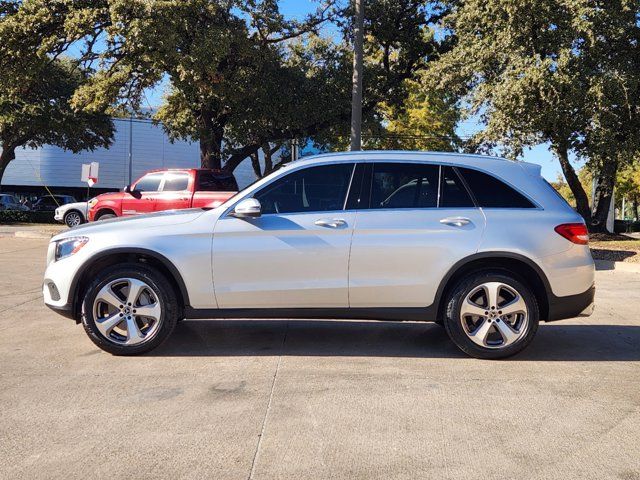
(315, 399)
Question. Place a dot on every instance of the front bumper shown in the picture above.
(58, 280)
(64, 310)
(580, 305)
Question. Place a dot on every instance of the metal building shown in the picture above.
(138, 146)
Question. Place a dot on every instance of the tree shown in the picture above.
(242, 76)
(226, 64)
(399, 44)
(628, 186)
(426, 120)
(584, 177)
(562, 72)
(35, 92)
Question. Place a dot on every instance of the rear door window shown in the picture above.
(490, 192)
(453, 193)
(404, 185)
(212, 182)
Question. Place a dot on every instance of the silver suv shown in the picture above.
(481, 245)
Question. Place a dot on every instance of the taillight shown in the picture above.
(574, 232)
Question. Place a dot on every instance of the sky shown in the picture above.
(299, 8)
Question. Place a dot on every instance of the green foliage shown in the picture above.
(628, 188)
(561, 186)
(565, 72)
(16, 216)
(35, 110)
(628, 181)
(242, 76)
(37, 84)
(425, 120)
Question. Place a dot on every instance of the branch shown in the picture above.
(292, 29)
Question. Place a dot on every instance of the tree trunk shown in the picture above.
(255, 163)
(268, 162)
(211, 136)
(8, 154)
(635, 209)
(239, 155)
(356, 89)
(603, 195)
(582, 200)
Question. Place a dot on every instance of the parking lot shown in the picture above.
(315, 399)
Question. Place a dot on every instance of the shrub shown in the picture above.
(620, 226)
(15, 216)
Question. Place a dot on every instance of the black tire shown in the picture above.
(106, 216)
(456, 331)
(162, 289)
(70, 218)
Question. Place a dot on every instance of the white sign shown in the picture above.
(90, 173)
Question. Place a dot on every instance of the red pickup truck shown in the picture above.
(165, 190)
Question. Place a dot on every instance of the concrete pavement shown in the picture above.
(315, 399)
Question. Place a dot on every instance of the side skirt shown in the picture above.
(424, 314)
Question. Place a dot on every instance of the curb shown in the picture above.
(618, 266)
(33, 235)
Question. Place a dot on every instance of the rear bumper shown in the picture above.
(580, 305)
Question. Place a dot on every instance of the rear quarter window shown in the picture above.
(490, 192)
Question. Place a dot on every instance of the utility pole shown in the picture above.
(131, 148)
(356, 91)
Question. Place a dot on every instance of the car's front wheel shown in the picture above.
(73, 218)
(491, 315)
(129, 309)
(105, 216)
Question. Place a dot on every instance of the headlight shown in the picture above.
(92, 202)
(68, 246)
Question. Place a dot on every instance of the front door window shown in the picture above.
(315, 189)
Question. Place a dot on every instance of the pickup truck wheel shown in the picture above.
(106, 216)
(129, 309)
(73, 218)
(491, 315)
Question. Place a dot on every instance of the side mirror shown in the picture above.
(248, 208)
(127, 189)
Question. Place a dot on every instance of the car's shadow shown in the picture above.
(554, 341)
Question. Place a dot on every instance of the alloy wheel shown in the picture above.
(494, 315)
(127, 311)
(73, 219)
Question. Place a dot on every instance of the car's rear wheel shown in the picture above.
(129, 309)
(73, 218)
(491, 315)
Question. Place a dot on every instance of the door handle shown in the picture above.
(455, 221)
(330, 222)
